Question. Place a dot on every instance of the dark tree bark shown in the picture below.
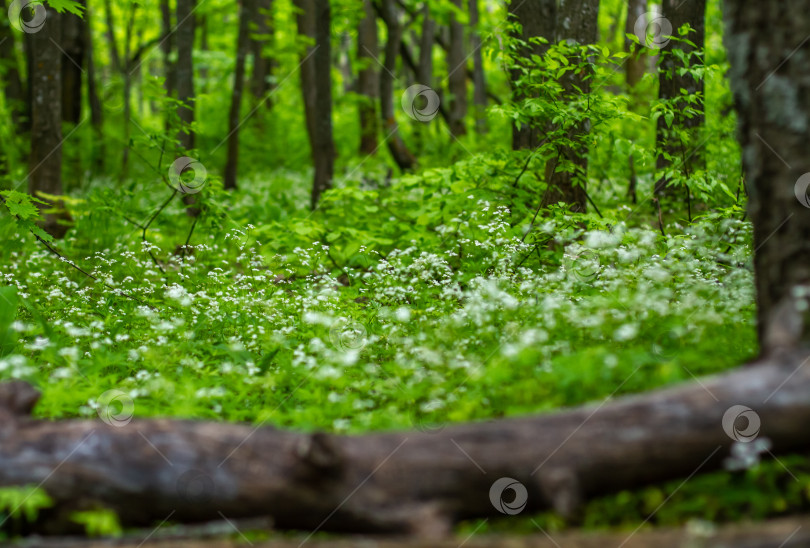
(184, 72)
(12, 84)
(399, 151)
(457, 75)
(576, 22)
(412, 482)
(246, 11)
(115, 57)
(772, 95)
(74, 55)
(424, 73)
(670, 84)
(45, 160)
(636, 64)
(368, 79)
(316, 85)
(96, 111)
(127, 77)
(167, 46)
(479, 80)
(263, 64)
(536, 18)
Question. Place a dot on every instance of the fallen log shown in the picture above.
(183, 471)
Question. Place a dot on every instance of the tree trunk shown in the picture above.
(45, 160)
(425, 69)
(127, 76)
(413, 482)
(457, 74)
(636, 64)
(670, 84)
(577, 22)
(246, 11)
(316, 85)
(368, 79)
(12, 84)
(399, 151)
(93, 99)
(185, 71)
(262, 63)
(115, 58)
(479, 81)
(772, 96)
(166, 46)
(73, 47)
(536, 18)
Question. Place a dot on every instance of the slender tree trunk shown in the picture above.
(184, 73)
(424, 75)
(45, 161)
(166, 46)
(479, 81)
(127, 75)
(536, 18)
(12, 84)
(115, 58)
(246, 11)
(399, 151)
(457, 75)
(202, 23)
(636, 64)
(368, 79)
(772, 96)
(263, 64)
(93, 99)
(670, 84)
(345, 63)
(73, 46)
(316, 84)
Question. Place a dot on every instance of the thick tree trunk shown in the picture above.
(576, 22)
(479, 81)
(636, 64)
(184, 73)
(670, 84)
(772, 95)
(457, 74)
(12, 84)
(246, 11)
(413, 482)
(536, 18)
(368, 79)
(316, 85)
(45, 160)
(399, 150)
(263, 64)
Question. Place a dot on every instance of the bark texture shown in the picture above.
(261, 36)
(479, 80)
(769, 55)
(45, 159)
(413, 482)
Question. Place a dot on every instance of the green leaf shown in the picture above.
(21, 205)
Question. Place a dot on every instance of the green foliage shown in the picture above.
(22, 504)
(98, 523)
